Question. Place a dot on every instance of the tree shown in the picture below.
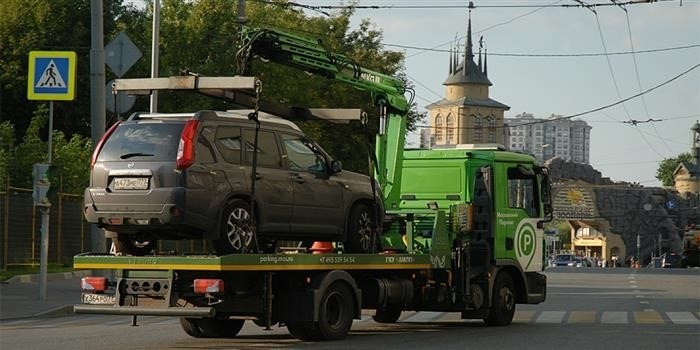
(43, 25)
(667, 166)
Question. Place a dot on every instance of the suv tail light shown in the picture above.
(101, 143)
(185, 150)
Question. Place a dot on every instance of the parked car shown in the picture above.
(672, 260)
(188, 176)
(567, 260)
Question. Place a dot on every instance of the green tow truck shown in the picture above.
(462, 232)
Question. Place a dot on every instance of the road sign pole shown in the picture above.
(44, 259)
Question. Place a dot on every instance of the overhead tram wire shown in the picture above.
(493, 26)
(597, 108)
(420, 7)
(639, 82)
(612, 74)
(691, 46)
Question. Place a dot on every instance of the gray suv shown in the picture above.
(189, 176)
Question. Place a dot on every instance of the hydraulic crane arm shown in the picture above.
(387, 92)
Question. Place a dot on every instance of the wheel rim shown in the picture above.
(364, 231)
(507, 299)
(334, 310)
(238, 229)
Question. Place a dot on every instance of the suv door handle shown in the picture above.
(298, 178)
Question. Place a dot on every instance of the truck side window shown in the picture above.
(521, 190)
(301, 155)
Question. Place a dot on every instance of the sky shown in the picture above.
(551, 60)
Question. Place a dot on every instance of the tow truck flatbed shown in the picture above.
(261, 262)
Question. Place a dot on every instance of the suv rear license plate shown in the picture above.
(98, 299)
(131, 183)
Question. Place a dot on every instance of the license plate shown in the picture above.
(98, 299)
(131, 183)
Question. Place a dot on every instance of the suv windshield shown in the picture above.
(155, 141)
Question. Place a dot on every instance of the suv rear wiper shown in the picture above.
(135, 154)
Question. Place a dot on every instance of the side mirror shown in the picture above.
(336, 166)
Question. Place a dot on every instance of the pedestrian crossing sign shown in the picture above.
(51, 75)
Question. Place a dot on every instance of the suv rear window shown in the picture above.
(152, 141)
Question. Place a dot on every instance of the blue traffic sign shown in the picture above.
(51, 75)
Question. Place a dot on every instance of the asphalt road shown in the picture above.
(585, 308)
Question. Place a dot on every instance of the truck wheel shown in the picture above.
(503, 302)
(237, 229)
(305, 331)
(335, 312)
(388, 315)
(360, 236)
(129, 245)
(219, 328)
(189, 325)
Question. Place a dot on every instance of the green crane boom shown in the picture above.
(387, 92)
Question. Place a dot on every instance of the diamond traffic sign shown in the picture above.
(121, 54)
(51, 75)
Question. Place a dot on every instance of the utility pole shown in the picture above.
(155, 38)
(241, 14)
(97, 96)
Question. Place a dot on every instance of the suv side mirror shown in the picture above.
(336, 166)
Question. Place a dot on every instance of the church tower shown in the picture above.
(466, 114)
(687, 175)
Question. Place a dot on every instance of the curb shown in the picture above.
(34, 278)
(58, 311)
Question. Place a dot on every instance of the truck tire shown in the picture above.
(306, 331)
(336, 311)
(237, 231)
(388, 315)
(219, 328)
(189, 325)
(503, 301)
(360, 236)
(128, 245)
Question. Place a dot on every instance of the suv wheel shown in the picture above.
(129, 245)
(360, 236)
(237, 229)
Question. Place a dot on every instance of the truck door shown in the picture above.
(517, 212)
(317, 198)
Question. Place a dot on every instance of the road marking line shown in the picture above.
(648, 317)
(524, 316)
(551, 317)
(644, 302)
(582, 317)
(682, 317)
(616, 317)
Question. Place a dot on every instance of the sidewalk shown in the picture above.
(19, 296)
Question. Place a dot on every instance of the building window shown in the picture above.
(491, 121)
(438, 129)
(478, 123)
(450, 129)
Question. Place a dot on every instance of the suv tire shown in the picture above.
(360, 236)
(237, 230)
